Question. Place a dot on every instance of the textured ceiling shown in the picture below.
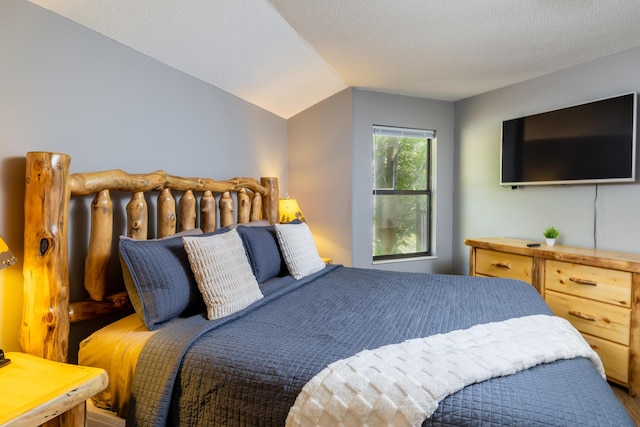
(286, 55)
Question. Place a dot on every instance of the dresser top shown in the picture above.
(597, 257)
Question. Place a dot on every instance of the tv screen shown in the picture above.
(587, 143)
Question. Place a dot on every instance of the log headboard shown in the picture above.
(49, 188)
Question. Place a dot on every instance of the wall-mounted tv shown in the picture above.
(588, 143)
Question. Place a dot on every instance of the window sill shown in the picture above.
(400, 260)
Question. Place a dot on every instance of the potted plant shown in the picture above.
(550, 234)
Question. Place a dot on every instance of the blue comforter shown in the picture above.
(247, 369)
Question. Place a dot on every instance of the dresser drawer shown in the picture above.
(600, 284)
(502, 264)
(614, 356)
(591, 317)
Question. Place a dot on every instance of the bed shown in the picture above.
(239, 322)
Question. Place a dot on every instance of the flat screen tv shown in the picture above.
(588, 143)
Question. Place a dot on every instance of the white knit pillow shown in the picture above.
(299, 250)
(222, 272)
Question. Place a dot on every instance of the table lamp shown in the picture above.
(6, 260)
(290, 210)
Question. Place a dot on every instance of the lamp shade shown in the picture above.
(6, 256)
(290, 210)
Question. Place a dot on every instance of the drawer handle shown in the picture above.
(583, 316)
(501, 264)
(580, 281)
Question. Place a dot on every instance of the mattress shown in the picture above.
(115, 348)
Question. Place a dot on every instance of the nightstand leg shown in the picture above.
(74, 417)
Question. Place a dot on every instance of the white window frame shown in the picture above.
(429, 222)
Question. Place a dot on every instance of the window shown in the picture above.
(401, 192)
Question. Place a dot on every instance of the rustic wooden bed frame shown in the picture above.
(49, 187)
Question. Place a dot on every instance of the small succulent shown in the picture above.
(551, 232)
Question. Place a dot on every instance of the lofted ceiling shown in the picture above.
(286, 55)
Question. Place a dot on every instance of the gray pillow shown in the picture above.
(262, 249)
(159, 279)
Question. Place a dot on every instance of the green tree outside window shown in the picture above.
(401, 192)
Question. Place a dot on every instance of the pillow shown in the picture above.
(159, 280)
(298, 249)
(223, 273)
(261, 246)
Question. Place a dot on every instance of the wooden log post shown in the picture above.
(137, 216)
(97, 260)
(226, 209)
(187, 211)
(166, 213)
(44, 330)
(244, 206)
(207, 212)
(256, 207)
(270, 203)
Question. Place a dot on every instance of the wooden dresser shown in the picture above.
(597, 291)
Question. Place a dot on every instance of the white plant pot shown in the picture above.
(551, 242)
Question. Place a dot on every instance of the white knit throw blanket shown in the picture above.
(402, 384)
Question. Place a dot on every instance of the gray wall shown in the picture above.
(320, 158)
(483, 208)
(375, 108)
(330, 147)
(68, 89)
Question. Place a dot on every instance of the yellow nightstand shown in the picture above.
(34, 390)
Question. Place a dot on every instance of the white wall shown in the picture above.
(483, 208)
(68, 89)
